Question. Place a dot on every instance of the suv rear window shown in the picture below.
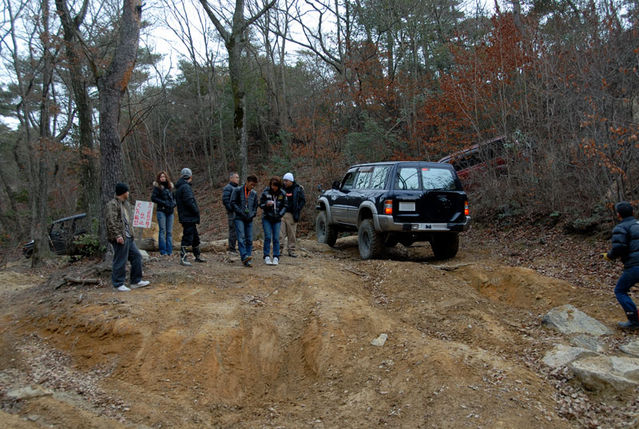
(438, 178)
(408, 178)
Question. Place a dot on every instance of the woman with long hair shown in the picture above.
(163, 196)
(273, 204)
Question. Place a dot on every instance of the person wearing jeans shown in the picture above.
(119, 214)
(163, 196)
(244, 204)
(121, 253)
(165, 239)
(244, 231)
(273, 205)
(625, 246)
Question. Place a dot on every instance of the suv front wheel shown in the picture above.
(371, 242)
(326, 233)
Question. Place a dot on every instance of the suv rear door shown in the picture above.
(427, 194)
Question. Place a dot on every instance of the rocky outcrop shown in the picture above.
(588, 358)
(602, 373)
(567, 319)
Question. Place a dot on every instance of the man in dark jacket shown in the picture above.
(244, 203)
(625, 245)
(295, 201)
(234, 181)
(189, 216)
(119, 226)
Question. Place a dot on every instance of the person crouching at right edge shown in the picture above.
(273, 205)
(625, 245)
(244, 203)
(189, 217)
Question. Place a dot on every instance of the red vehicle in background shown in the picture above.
(479, 159)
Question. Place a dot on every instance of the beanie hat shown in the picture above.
(624, 209)
(121, 188)
(288, 176)
(186, 172)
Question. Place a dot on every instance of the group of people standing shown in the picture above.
(168, 196)
(281, 202)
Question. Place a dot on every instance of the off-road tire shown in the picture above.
(445, 245)
(326, 233)
(370, 242)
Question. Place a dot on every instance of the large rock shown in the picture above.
(562, 355)
(569, 320)
(602, 373)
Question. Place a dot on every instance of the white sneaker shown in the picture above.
(140, 284)
(276, 260)
(267, 260)
(122, 288)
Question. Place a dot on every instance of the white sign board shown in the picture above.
(143, 214)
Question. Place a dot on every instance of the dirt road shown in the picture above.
(220, 345)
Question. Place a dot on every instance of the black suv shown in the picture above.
(395, 202)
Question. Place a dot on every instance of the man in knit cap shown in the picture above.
(119, 214)
(295, 201)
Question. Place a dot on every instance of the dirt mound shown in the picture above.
(289, 346)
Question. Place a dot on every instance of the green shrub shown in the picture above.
(88, 245)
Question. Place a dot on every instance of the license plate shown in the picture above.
(432, 227)
(406, 207)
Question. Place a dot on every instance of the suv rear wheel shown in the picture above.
(371, 242)
(326, 233)
(445, 245)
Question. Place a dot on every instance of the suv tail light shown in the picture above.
(388, 207)
(466, 209)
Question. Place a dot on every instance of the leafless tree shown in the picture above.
(111, 86)
(89, 200)
(233, 30)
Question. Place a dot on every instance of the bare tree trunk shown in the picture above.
(239, 97)
(111, 87)
(40, 164)
(244, 141)
(89, 200)
(234, 41)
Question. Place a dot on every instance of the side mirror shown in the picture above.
(336, 184)
(319, 188)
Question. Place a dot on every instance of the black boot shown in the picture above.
(198, 255)
(183, 260)
(632, 323)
